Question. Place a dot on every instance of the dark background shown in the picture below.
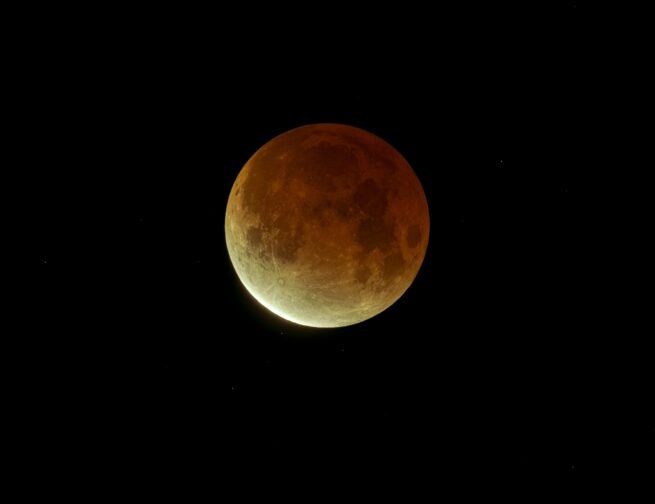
(511, 361)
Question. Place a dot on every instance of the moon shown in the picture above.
(327, 225)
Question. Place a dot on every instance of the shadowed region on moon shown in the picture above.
(327, 225)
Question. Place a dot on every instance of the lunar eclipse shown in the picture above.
(327, 225)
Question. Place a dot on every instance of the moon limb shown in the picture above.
(327, 225)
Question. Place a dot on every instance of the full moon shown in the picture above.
(327, 225)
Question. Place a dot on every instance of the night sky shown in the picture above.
(508, 364)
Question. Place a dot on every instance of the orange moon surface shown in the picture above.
(327, 225)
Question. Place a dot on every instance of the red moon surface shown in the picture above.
(327, 225)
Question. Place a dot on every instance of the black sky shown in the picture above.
(509, 362)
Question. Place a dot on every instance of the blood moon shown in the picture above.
(327, 225)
